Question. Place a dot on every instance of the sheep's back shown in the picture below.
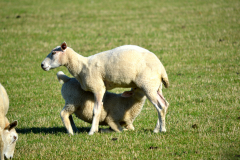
(119, 67)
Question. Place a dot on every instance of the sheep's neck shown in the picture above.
(75, 62)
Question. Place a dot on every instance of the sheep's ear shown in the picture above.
(11, 125)
(63, 46)
(127, 94)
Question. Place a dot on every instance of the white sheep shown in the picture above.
(118, 109)
(8, 134)
(126, 66)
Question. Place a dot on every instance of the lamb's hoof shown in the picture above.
(130, 127)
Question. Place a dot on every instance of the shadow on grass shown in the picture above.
(50, 130)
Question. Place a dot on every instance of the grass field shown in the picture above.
(198, 42)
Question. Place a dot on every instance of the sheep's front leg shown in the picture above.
(97, 111)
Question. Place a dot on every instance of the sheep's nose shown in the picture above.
(42, 65)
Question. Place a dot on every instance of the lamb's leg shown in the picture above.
(115, 126)
(65, 113)
(130, 127)
(73, 124)
(97, 111)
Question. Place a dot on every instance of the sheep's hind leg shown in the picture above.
(159, 104)
(160, 126)
(162, 101)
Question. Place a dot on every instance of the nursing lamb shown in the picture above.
(119, 110)
(8, 134)
(126, 66)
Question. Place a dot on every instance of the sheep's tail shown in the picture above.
(165, 80)
(62, 78)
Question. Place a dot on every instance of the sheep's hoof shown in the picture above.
(156, 130)
(163, 129)
(71, 134)
(159, 130)
(90, 133)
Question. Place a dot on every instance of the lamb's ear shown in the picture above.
(11, 125)
(63, 46)
(127, 94)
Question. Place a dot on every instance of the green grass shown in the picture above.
(198, 42)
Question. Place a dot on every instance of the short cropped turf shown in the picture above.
(198, 42)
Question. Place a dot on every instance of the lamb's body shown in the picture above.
(126, 66)
(117, 111)
(8, 135)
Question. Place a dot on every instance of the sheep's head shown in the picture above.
(53, 59)
(9, 138)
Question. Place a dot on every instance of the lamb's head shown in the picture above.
(9, 138)
(136, 93)
(54, 58)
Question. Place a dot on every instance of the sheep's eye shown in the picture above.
(53, 52)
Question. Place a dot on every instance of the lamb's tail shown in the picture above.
(62, 78)
(165, 80)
